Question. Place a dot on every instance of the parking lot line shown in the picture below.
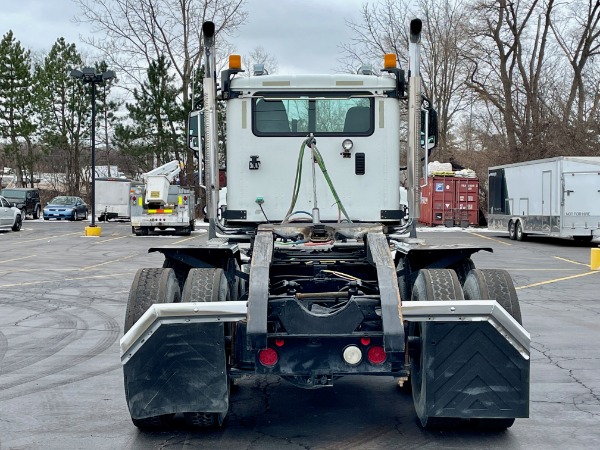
(491, 239)
(17, 259)
(51, 237)
(111, 239)
(572, 262)
(108, 262)
(555, 280)
(60, 280)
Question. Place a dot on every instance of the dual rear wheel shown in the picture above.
(161, 285)
(444, 284)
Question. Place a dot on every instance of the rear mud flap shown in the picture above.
(181, 367)
(472, 371)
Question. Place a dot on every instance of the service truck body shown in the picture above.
(558, 197)
(327, 281)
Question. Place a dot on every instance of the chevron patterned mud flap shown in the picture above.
(472, 371)
(180, 367)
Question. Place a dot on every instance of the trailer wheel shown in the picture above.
(512, 233)
(519, 234)
(493, 284)
(150, 286)
(206, 285)
(431, 284)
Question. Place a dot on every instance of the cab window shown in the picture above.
(300, 114)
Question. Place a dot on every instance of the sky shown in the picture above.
(303, 35)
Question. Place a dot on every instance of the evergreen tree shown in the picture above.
(16, 116)
(155, 134)
(64, 107)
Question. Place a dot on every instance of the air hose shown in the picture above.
(311, 142)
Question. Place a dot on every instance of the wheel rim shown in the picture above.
(75, 215)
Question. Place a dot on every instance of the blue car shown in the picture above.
(66, 207)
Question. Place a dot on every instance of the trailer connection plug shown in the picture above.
(259, 200)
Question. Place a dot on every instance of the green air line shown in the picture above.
(330, 183)
(297, 181)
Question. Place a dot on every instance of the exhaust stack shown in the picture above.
(211, 161)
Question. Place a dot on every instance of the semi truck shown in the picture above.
(157, 204)
(313, 273)
(558, 197)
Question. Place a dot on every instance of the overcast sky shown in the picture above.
(303, 35)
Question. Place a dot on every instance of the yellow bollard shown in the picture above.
(595, 259)
(95, 231)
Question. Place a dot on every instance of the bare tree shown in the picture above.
(136, 32)
(259, 56)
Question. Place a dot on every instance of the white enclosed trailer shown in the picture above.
(557, 197)
(112, 198)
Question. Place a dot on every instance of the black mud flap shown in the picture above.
(472, 371)
(180, 368)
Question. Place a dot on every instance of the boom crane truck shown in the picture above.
(159, 204)
(316, 277)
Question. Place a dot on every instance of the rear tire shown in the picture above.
(150, 286)
(206, 285)
(493, 284)
(431, 284)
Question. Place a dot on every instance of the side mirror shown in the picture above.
(196, 131)
(429, 119)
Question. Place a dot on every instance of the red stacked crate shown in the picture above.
(450, 201)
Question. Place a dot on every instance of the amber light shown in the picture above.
(268, 357)
(235, 62)
(389, 61)
(376, 355)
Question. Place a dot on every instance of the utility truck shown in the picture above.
(312, 273)
(558, 197)
(159, 204)
(113, 198)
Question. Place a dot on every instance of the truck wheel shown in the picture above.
(462, 269)
(150, 286)
(141, 231)
(206, 285)
(493, 284)
(36, 213)
(181, 270)
(512, 234)
(519, 234)
(431, 284)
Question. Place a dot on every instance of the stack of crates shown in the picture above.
(450, 201)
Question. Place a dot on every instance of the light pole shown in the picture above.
(88, 75)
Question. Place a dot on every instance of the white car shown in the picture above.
(10, 216)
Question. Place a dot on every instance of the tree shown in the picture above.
(259, 56)
(154, 137)
(16, 115)
(64, 107)
(134, 34)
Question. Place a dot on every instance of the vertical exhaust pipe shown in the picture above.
(211, 161)
(414, 123)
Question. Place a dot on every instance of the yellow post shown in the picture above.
(95, 231)
(595, 259)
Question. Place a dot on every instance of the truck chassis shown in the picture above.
(337, 300)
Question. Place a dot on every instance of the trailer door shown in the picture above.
(581, 199)
(546, 200)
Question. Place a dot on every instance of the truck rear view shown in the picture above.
(310, 273)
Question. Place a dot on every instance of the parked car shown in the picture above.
(66, 207)
(11, 217)
(26, 199)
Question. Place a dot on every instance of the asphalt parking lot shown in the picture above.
(62, 305)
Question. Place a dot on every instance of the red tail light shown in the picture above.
(279, 342)
(268, 357)
(376, 355)
(365, 340)
(133, 199)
